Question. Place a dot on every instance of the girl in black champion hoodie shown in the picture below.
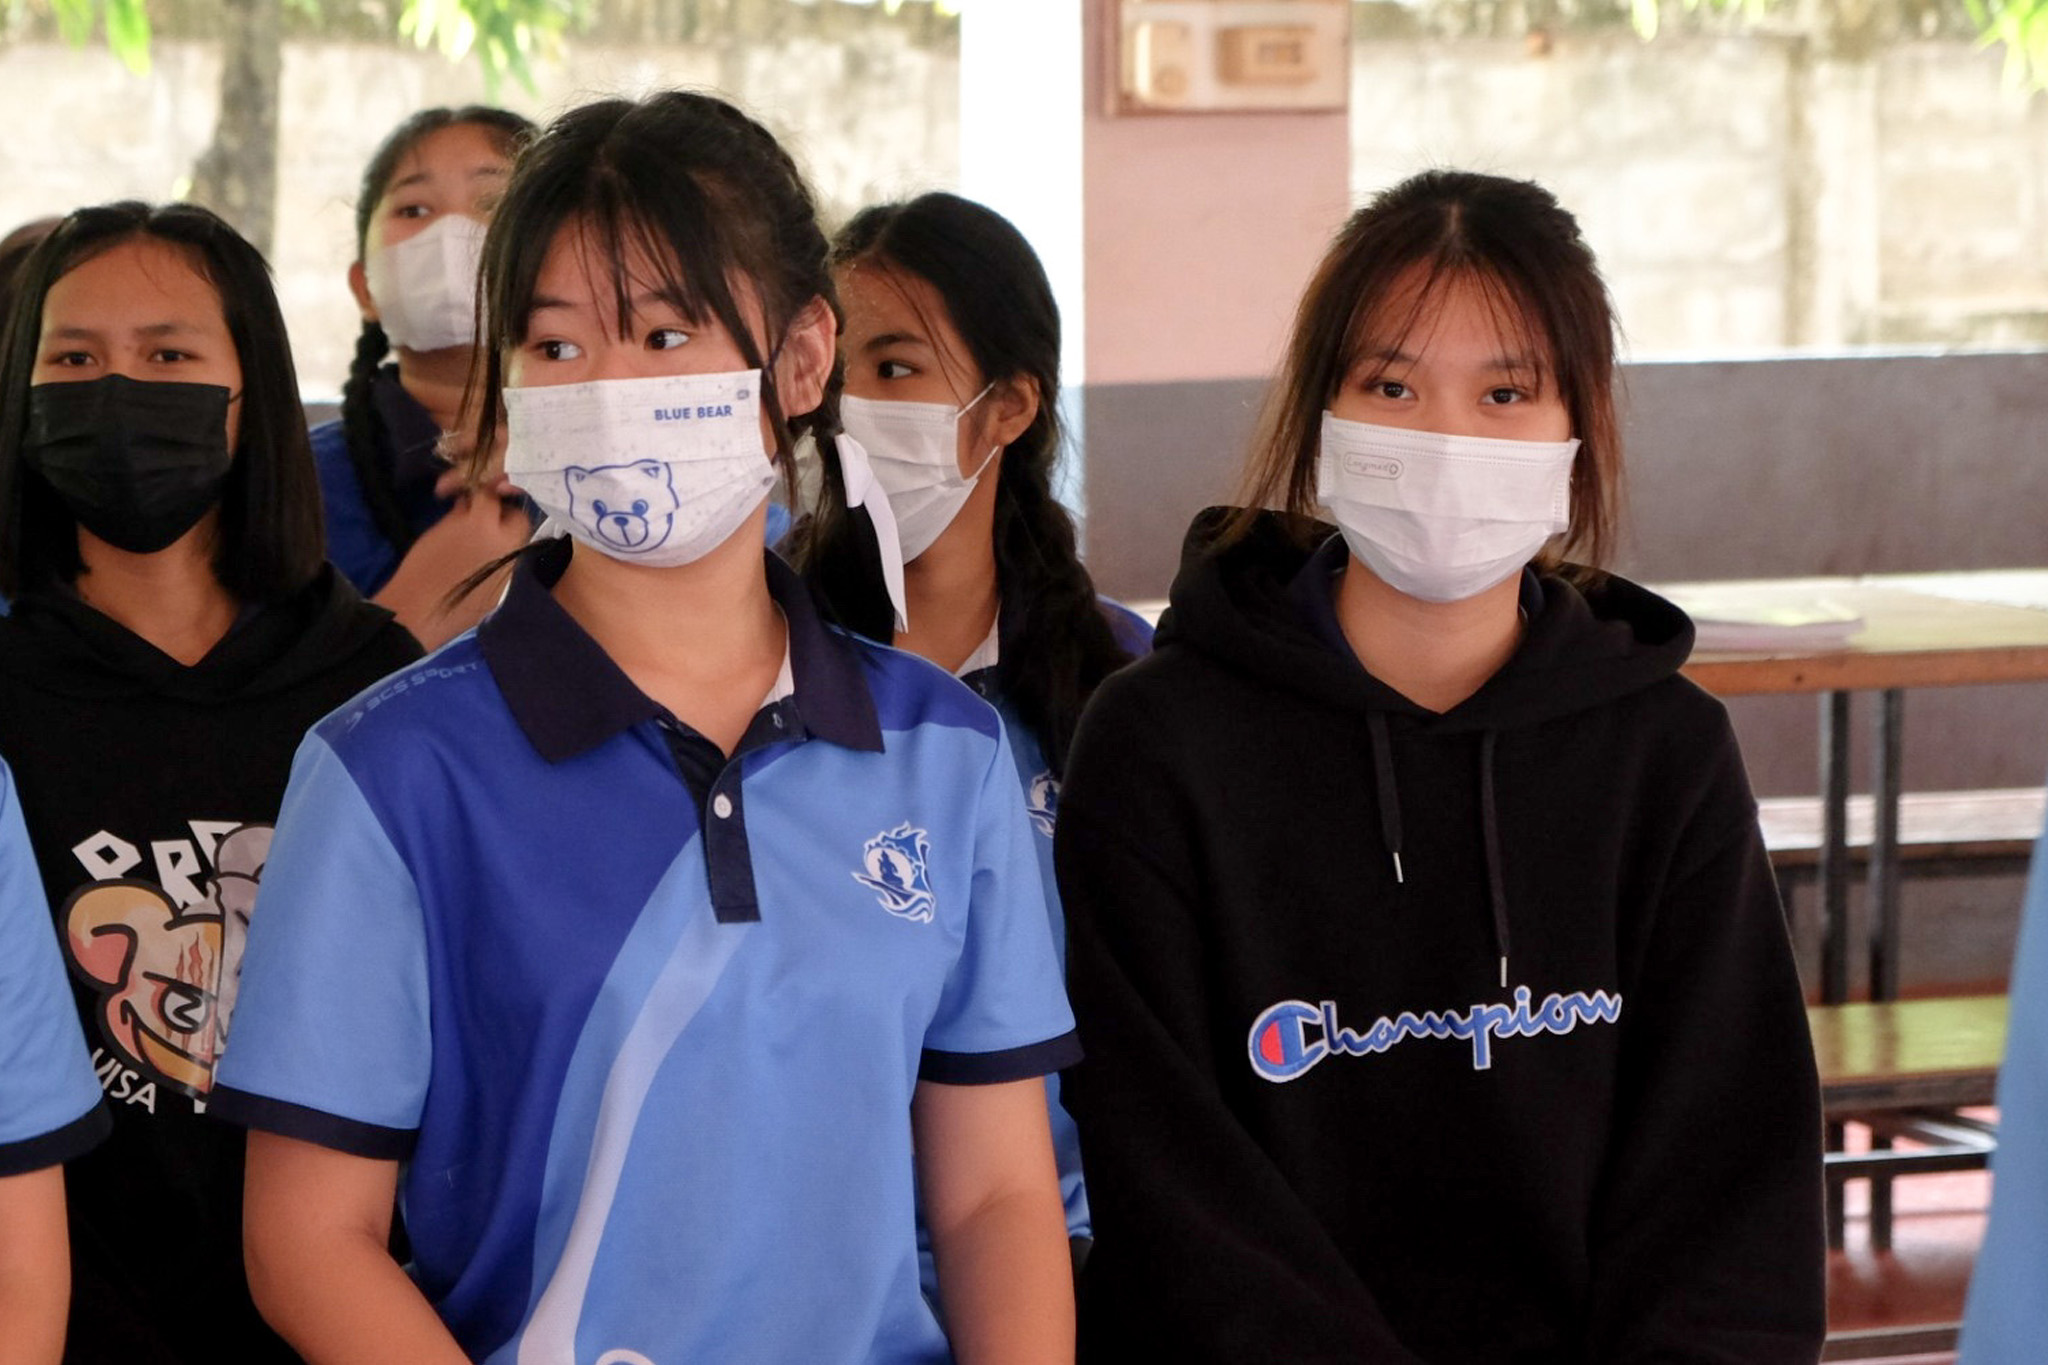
(1436, 994)
(175, 632)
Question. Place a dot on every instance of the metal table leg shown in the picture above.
(1833, 885)
(1884, 911)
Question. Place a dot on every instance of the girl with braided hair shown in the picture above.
(952, 355)
(638, 933)
(402, 526)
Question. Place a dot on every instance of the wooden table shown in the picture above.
(1920, 630)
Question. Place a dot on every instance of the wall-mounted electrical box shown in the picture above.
(1230, 56)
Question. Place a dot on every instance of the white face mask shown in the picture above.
(915, 450)
(425, 286)
(1441, 517)
(656, 471)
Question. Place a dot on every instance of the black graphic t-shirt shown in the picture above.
(150, 789)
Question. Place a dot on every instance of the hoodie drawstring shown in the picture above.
(1489, 824)
(1390, 795)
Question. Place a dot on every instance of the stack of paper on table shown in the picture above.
(1737, 619)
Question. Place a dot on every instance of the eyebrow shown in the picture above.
(154, 329)
(421, 177)
(1509, 364)
(544, 302)
(888, 339)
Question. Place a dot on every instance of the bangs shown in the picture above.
(649, 230)
(1391, 309)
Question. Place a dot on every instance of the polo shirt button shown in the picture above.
(721, 806)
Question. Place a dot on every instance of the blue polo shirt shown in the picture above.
(50, 1108)
(645, 1022)
(408, 436)
(1042, 798)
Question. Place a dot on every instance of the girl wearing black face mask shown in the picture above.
(175, 632)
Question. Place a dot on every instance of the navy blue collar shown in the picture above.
(569, 697)
(412, 433)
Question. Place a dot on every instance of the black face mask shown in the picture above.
(137, 462)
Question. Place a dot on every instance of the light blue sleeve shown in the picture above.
(46, 1080)
(1003, 1014)
(2007, 1315)
(332, 1016)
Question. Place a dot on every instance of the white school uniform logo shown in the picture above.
(895, 871)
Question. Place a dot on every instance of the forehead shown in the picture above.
(1450, 313)
(140, 281)
(886, 302)
(586, 268)
(460, 151)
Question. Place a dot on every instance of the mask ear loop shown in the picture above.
(994, 450)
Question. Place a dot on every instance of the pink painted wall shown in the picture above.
(1200, 231)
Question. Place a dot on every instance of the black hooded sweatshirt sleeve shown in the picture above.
(1297, 1149)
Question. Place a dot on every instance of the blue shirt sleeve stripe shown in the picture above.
(75, 1138)
(311, 1125)
(993, 1068)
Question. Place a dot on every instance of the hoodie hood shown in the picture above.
(58, 643)
(1250, 606)
(1264, 606)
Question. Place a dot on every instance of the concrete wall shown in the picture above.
(872, 117)
(1744, 193)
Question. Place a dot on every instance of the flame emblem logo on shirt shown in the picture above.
(1043, 801)
(895, 872)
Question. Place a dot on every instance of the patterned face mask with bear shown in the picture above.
(657, 471)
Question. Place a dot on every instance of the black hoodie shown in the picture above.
(149, 789)
(1545, 1093)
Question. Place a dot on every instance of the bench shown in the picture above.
(1975, 831)
(1934, 1058)
(1903, 1067)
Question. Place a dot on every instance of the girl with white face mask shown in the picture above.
(1420, 928)
(401, 525)
(671, 913)
(952, 356)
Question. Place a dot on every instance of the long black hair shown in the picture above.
(1056, 643)
(706, 194)
(360, 424)
(271, 538)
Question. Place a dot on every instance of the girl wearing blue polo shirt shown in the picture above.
(1438, 999)
(400, 525)
(50, 1109)
(634, 936)
(952, 356)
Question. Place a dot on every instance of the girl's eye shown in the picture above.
(559, 350)
(666, 338)
(894, 369)
(412, 211)
(1389, 388)
(1504, 394)
(168, 356)
(70, 358)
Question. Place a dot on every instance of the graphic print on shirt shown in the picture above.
(1290, 1038)
(639, 511)
(164, 956)
(895, 862)
(1042, 800)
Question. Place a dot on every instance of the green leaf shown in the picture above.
(128, 33)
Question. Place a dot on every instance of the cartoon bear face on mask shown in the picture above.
(629, 507)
